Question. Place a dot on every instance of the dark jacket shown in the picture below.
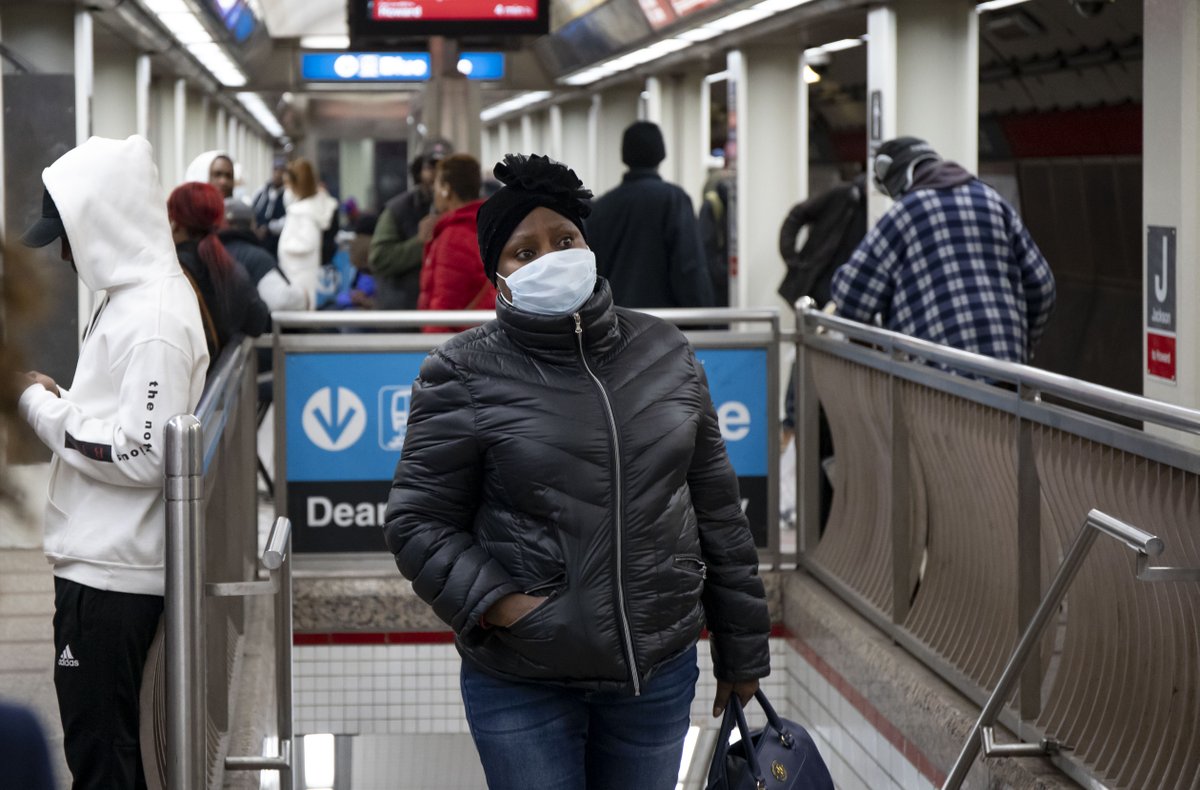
(647, 244)
(245, 248)
(513, 479)
(837, 221)
(396, 252)
(234, 309)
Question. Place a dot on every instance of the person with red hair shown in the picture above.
(229, 303)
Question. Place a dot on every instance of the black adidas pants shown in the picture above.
(100, 641)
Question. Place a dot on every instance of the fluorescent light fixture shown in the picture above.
(996, 5)
(739, 19)
(511, 105)
(698, 34)
(719, 76)
(325, 42)
(185, 28)
(845, 43)
(258, 108)
(777, 6)
(218, 63)
(166, 7)
(810, 76)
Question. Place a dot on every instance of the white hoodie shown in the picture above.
(300, 241)
(142, 362)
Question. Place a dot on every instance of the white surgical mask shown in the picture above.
(558, 283)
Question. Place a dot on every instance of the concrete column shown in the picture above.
(1171, 200)
(573, 148)
(923, 78)
(222, 129)
(231, 135)
(357, 168)
(179, 131)
(617, 109)
(674, 102)
(142, 90)
(528, 143)
(116, 101)
(768, 83)
(194, 142)
(84, 75)
(554, 132)
(504, 139)
(452, 106)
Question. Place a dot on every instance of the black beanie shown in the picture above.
(529, 182)
(642, 145)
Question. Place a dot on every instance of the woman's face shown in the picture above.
(542, 231)
(441, 195)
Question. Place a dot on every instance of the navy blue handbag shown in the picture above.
(780, 756)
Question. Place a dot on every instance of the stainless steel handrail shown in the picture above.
(415, 319)
(1029, 378)
(189, 450)
(981, 736)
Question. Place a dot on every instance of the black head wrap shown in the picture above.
(529, 182)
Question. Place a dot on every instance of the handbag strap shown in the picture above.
(773, 720)
(735, 715)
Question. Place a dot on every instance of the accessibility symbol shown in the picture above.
(334, 419)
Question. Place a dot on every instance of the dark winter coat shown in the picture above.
(235, 307)
(837, 221)
(647, 244)
(245, 248)
(513, 478)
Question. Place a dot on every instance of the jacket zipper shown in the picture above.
(612, 424)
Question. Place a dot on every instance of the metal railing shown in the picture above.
(956, 497)
(982, 737)
(211, 537)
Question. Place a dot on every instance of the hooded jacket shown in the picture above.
(235, 306)
(143, 361)
(301, 239)
(578, 458)
(452, 276)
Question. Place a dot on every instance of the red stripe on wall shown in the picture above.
(1099, 131)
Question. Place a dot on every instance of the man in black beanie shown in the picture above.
(646, 238)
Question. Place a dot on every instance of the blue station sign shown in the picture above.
(347, 414)
(393, 66)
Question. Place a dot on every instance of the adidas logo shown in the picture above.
(66, 659)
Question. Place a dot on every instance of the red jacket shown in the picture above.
(452, 275)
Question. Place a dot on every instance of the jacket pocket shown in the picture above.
(691, 563)
(533, 624)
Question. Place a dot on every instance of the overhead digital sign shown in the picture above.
(374, 22)
(393, 66)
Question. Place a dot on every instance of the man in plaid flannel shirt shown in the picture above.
(950, 262)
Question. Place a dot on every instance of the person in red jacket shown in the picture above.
(452, 276)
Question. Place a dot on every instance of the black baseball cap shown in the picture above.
(46, 229)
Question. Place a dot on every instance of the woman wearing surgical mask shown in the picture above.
(565, 503)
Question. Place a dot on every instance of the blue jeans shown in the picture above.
(532, 736)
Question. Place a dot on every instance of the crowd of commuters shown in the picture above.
(570, 668)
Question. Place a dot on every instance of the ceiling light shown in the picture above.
(325, 42)
(166, 6)
(739, 19)
(777, 6)
(996, 5)
(697, 34)
(810, 75)
(845, 43)
(513, 104)
(185, 28)
(258, 108)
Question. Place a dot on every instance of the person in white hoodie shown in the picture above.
(143, 360)
(310, 212)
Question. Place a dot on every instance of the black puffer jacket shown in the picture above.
(513, 479)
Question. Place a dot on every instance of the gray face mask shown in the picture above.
(558, 283)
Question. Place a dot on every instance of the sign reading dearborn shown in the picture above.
(347, 415)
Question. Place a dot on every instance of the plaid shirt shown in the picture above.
(953, 266)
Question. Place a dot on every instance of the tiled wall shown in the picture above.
(408, 689)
